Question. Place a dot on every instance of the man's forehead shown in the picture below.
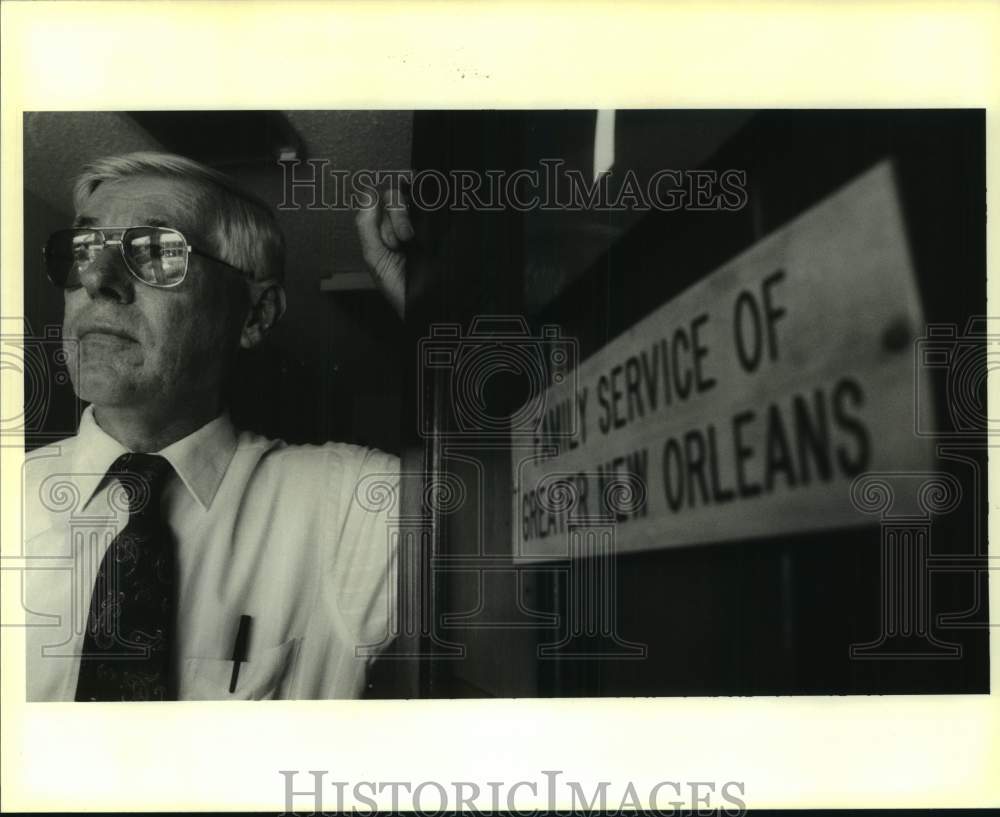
(147, 200)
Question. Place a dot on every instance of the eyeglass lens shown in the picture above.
(155, 255)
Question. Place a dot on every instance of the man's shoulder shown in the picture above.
(49, 481)
(40, 462)
(53, 449)
(344, 458)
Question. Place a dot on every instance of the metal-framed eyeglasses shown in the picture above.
(156, 256)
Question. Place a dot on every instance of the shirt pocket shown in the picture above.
(207, 679)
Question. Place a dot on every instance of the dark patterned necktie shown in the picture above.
(128, 645)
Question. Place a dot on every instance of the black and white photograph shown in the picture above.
(478, 405)
(506, 403)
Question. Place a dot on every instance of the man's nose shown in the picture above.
(108, 277)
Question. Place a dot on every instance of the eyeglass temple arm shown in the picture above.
(210, 257)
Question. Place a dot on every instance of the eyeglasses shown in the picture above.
(156, 256)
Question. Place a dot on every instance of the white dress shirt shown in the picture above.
(301, 538)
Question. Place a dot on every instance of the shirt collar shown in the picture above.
(95, 451)
(200, 459)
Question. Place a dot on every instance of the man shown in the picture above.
(186, 559)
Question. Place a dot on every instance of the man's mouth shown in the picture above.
(108, 331)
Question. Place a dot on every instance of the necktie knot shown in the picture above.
(142, 477)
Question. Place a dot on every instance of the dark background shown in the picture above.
(767, 616)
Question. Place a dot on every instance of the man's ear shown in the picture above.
(266, 308)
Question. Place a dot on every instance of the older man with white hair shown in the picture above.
(198, 561)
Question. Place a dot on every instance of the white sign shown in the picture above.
(748, 404)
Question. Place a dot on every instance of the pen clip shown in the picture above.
(239, 650)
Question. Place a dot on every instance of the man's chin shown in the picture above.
(103, 388)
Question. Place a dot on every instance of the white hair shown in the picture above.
(244, 228)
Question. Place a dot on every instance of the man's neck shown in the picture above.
(145, 432)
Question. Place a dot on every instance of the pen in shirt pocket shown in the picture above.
(240, 650)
